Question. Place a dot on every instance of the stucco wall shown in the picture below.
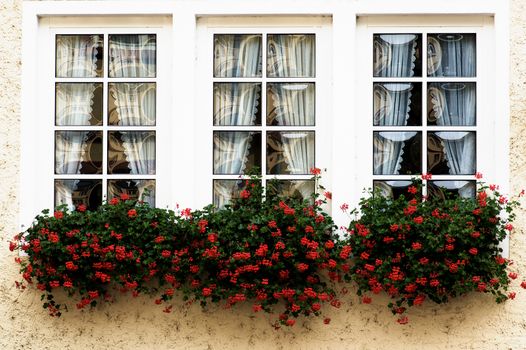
(469, 322)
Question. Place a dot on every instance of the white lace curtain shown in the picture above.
(291, 55)
(76, 55)
(134, 104)
(236, 104)
(293, 103)
(394, 56)
(237, 55)
(132, 56)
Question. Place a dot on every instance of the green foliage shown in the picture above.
(265, 250)
(416, 249)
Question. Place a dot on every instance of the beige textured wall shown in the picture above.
(470, 322)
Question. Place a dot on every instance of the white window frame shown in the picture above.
(185, 97)
(206, 29)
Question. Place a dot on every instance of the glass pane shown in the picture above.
(75, 192)
(237, 104)
(392, 188)
(451, 104)
(297, 189)
(79, 56)
(131, 104)
(131, 152)
(290, 104)
(132, 56)
(451, 55)
(442, 189)
(291, 55)
(451, 152)
(236, 152)
(397, 104)
(397, 153)
(397, 55)
(290, 152)
(78, 104)
(226, 190)
(143, 190)
(78, 152)
(237, 55)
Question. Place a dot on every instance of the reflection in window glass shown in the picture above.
(131, 152)
(78, 104)
(131, 104)
(226, 190)
(443, 189)
(291, 56)
(79, 56)
(290, 104)
(237, 55)
(296, 189)
(451, 55)
(397, 104)
(78, 152)
(392, 188)
(397, 153)
(81, 191)
(237, 104)
(397, 55)
(451, 152)
(290, 152)
(132, 55)
(142, 190)
(451, 104)
(236, 152)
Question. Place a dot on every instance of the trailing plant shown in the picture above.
(417, 249)
(263, 249)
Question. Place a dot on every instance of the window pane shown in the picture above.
(397, 104)
(131, 152)
(75, 192)
(131, 104)
(78, 104)
(226, 190)
(451, 55)
(297, 189)
(451, 104)
(291, 55)
(442, 189)
(236, 152)
(78, 152)
(290, 152)
(237, 55)
(290, 104)
(132, 56)
(397, 55)
(392, 188)
(397, 153)
(143, 190)
(79, 56)
(451, 152)
(237, 104)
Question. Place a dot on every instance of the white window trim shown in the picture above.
(184, 15)
(207, 27)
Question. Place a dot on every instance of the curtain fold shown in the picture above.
(231, 151)
(388, 151)
(392, 103)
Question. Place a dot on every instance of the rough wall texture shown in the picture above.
(470, 322)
